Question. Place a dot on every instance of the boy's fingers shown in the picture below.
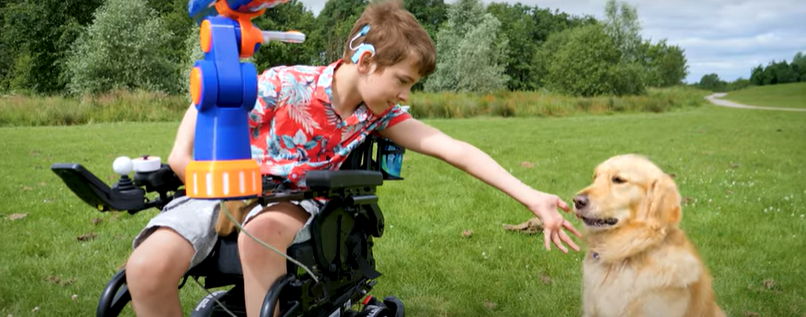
(562, 204)
(546, 242)
(570, 227)
(556, 238)
(568, 240)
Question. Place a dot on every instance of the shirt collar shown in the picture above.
(324, 84)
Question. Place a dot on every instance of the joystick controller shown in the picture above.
(123, 166)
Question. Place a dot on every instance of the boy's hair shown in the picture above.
(396, 35)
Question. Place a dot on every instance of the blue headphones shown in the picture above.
(363, 47)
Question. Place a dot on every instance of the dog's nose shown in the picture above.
(580, 201)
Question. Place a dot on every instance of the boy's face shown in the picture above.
(384, 89)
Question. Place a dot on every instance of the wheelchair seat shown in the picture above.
(351, 207)
(224, 258)
(338, 250)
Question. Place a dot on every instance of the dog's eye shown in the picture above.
(618, 180)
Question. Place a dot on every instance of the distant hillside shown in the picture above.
(792, 95)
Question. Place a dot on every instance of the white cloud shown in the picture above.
(727, 37)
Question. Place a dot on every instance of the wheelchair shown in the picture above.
(338, 253)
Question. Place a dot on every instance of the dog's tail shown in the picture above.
(238, 209)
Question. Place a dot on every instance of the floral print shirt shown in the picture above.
(294, 128)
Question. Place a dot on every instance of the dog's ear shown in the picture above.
(663, 202)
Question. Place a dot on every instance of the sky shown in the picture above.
(726, 37)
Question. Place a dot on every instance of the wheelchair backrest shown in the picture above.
(376, 153)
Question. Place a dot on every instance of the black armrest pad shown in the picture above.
(95, 192)
(343, 178)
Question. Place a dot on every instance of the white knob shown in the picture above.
(122, 165)
(146, 164)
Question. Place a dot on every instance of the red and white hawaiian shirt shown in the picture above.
(294, 128)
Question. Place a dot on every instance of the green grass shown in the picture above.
(791, 95)
(742, 172)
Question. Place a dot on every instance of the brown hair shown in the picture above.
(396, 35)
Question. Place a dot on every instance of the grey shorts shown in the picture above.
(195, 219)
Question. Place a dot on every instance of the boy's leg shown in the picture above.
(153, 270)
(178, 238)
(276, 225)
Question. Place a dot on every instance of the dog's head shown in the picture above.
(628, 190)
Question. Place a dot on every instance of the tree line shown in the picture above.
(94, 46)
(774, 73)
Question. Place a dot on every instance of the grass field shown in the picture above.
(791, 95)
(741, 172)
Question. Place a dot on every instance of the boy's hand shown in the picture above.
(545, 206)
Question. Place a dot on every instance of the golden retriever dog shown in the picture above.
(639, 263)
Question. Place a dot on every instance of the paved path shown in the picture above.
(714, 99)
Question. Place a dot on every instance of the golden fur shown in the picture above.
(639, 263)
(238, 209)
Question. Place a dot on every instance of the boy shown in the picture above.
(310, 118)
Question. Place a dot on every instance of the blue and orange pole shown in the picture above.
(224, 90)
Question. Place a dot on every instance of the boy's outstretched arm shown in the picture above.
(419, 137)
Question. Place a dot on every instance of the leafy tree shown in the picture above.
(780, 72)
(622, 25)
(122, 50)
(740, 83)
(333, 25)
(712, 82)
(470, 50)
(291, 15)
(430, 13)
(543, 58)
(34, 40)
(799, 66)
(548, 22)
(627, 79)
(784, 73)
(526, 29)
(584, 61)
(664, 65)
(519, 27)
(757, 75)
(175, 18)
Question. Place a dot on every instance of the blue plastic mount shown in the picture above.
(229, 92)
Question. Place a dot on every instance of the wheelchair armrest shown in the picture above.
(125, 195)
(95, 192)
(330, 179)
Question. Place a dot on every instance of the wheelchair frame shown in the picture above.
(339, 251)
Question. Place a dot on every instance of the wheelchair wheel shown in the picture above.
(373, 307)
(208, 307)
(395, 305)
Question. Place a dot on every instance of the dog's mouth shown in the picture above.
(596, 222)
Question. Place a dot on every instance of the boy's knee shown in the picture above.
(149, 272)
(267, 226)
(277, 228)
(162, 256)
